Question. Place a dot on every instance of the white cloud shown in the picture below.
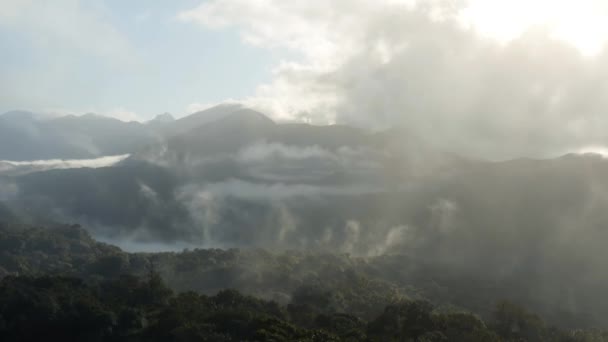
(583, 23)
(413, 63)
(276, 191)
(8, 167)
(123, 115)
(70, 163)
(261, 152)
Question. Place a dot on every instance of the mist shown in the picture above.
(417, 65)
(8, 167)
(390, 152)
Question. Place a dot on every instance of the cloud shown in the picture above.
(277, 191)
(283, 163)
(581, 23)
(147, 192)
(261, 152)
(20, 167)
(123, 115)
(264, 153)
(414, 64)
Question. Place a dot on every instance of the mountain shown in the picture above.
(532, 229)
(200, 118)
(224, 135)
(242, 150)
(101, 136)
(161, 120)
(24, 136)
(117, 198)
(226, 129)
(18, 116)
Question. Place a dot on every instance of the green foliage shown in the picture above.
(129, 308)
(516, 323)
(464, 326)
(100, 293)
(410, 320)
(36, 309)
(344, 326)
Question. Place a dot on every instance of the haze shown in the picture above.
(365, 170)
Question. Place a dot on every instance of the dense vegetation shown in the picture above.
(127, 308)
(100, 293)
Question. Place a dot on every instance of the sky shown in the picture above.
(487, 76)
(131, 59)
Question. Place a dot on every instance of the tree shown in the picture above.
(411, 319)
(513, 322)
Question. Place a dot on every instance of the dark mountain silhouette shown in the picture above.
(242, 180)
(200, 118)
(24, 137)
(100, 135)
(161, 119)
(225, 135)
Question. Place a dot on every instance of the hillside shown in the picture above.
(306, 296)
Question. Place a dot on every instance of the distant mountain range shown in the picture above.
(26, 136)
(231, 177)
(238, 156)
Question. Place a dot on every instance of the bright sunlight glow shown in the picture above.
(600, 150)
(582, 23)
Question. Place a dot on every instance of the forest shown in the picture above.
(58, 283)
